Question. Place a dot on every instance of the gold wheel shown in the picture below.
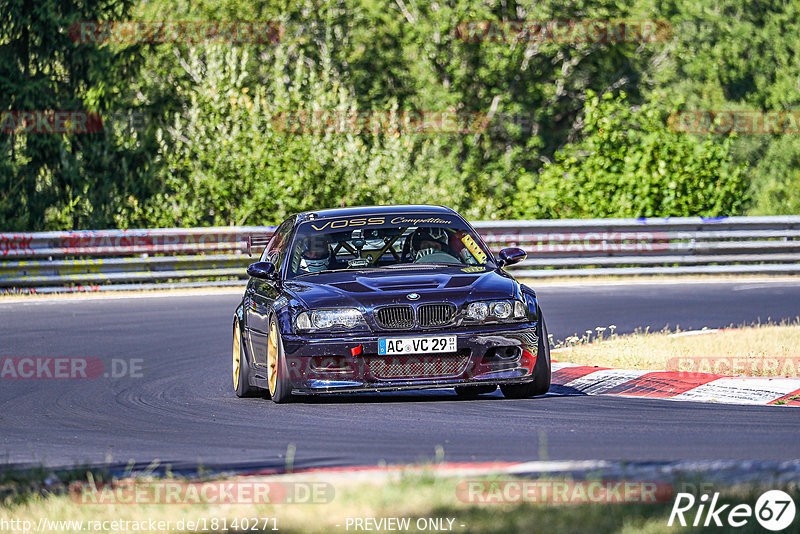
(272, 358)
(237, 356)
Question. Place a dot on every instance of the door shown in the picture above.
(261, 294)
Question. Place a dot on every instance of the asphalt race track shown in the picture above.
(180, 408)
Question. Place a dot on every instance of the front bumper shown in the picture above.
(501, 354)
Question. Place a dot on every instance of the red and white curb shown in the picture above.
(674, 385)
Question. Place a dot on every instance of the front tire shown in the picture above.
(280, 387)
(541, 370)
(240, 367)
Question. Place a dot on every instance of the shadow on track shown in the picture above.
(436, 395)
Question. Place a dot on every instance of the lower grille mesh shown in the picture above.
(439, 366)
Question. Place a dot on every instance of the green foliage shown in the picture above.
(210, 153)
(69, 180)
(630, 165)
(231, 161)
(777, 189)
(738, 55)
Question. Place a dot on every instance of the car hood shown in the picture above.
(390, 286)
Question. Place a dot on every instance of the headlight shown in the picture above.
(346, 318)
(478, 311)
(501, 310)
(498, 310)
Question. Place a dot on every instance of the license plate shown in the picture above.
(417, 345)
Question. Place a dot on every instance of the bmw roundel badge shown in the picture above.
(412, 296)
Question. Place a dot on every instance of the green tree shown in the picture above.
(64, 180)
(629, 164)
(737, 55)
(229, 158)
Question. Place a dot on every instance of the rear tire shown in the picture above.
(541, 370)
(240, 367)
(472, 392)
(280, 387)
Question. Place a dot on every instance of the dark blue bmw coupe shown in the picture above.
(386, 298)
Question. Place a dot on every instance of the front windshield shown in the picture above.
(383, 241)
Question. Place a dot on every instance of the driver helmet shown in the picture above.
(423, 242)
(315, 255)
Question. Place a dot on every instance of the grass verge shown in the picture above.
(754, 350)
(416, 496)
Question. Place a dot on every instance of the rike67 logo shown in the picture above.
(774, 510)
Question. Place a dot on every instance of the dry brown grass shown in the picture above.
(756, 350)
(413, 496)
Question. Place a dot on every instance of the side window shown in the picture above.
(272, 252)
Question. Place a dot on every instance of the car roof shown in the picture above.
(375, 210)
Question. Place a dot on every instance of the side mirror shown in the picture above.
(262, 269)
(511, 256)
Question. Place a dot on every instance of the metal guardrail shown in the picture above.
(178, 257)
(676, 245)
(100, 260)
